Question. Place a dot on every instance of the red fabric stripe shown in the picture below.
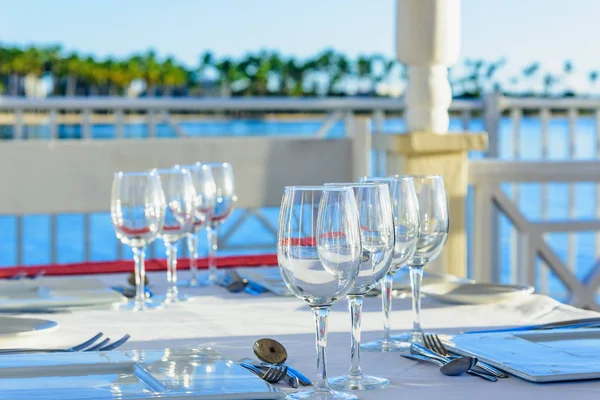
(113, 267)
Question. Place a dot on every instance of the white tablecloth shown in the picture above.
(230, 323)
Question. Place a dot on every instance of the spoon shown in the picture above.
(416, 349)
(270, 351)
(453, 368)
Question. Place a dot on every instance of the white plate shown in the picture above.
(186, 374)
(270, 279)
(538, 356)
(47, 294)
(475, 293)
(13, 326)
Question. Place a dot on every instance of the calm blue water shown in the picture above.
(36, 245)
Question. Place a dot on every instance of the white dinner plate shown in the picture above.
(537, 356)
(14, 326)
(183, 374)
(270, 279)
(56, 294)
(475, 293)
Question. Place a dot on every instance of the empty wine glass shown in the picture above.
(204, 184)
(137, 210)
(377, 235)
(319, 261)
(180, 198)
(225, 197)
(433, 233)
(406, 225)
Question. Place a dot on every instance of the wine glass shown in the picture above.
(377, 236)
(180, 200)
(225, 197)
(433, 233)
(137, 211)
(406, 225)
(319, 262)
(204, 184)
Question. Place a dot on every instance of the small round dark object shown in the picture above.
(270, 351)
(237, 286)
(131, 279)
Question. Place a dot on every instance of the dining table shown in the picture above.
(230, 323)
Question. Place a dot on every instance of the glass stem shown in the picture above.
(171, 269)
(355, 304)
(416, 277)
(386, 303)
(321, 314)
(140, 276)
(192, 241)
(213, 244)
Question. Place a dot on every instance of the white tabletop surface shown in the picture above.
(230, 323)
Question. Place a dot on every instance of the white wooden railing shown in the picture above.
(503, 118)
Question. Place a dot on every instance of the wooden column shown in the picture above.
(446, 155)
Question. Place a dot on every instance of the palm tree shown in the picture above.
(172, 76)
(151, 72)
(529, 72)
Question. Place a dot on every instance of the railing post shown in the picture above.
(491, 119)
(379, 155)
(119, 124)
(492, 112)
(359, 130)
(18, 127)
(482, 242)
(86, 124)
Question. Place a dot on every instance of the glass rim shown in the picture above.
(197, 165)
(173, 170)
(134, 173)
(214, 164)
(355, 184)
(421, 176)
(307, 188)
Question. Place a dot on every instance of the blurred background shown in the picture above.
(528, 75)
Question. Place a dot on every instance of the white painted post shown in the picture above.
(359, 130)
(428, 41)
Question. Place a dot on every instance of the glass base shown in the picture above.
(322, 394)
(179, 298)
(135, 306)
(386, 346)
(408, 338)
(360, 382)
(194, 283)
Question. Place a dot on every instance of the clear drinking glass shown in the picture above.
(204, 184)
(433, 233)
(137, 210)
(224, 200)
(319, 262)
(377, 236)
(406, 225)
(180, 199)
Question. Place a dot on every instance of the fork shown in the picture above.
(274, 374)
(433, 343)
(86, 346)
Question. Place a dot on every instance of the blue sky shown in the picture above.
(523, 31)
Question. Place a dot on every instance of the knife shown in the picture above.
(571, 324)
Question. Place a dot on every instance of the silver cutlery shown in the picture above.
(87, 346)
(423, 351)
(450, 369)
(291, 379)
(274, 373)
(235, 283)
(571, 324)
(433, 342)
(270, 351)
